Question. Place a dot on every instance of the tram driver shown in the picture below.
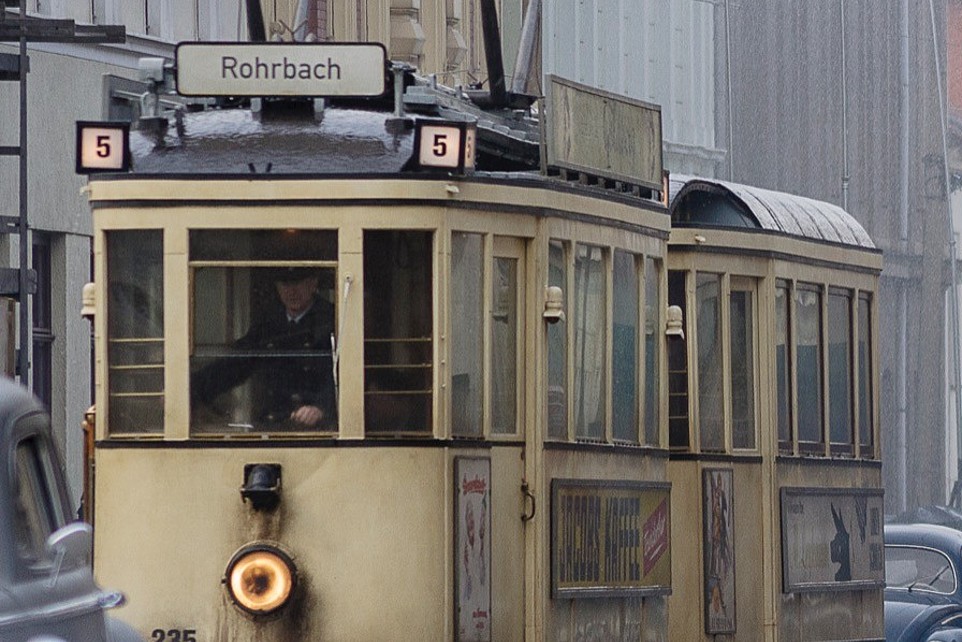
(287, 356)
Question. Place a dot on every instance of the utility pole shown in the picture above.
(20, 282)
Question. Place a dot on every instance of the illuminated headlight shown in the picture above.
(260, 579)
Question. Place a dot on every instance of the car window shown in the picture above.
(37, 511)
(916, 568)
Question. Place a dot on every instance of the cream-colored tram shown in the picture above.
(773, 406)
(481, 452)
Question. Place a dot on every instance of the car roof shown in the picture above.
(17, 401)
(934, 535)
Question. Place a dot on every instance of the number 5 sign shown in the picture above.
(102, 147)
(445, 145)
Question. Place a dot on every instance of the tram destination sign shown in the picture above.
(281, 69)
(610, 538)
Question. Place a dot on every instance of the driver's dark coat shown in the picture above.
(289, 362)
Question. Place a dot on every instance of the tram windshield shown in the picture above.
(264, 330)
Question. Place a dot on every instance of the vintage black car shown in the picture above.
(47, 590)
(923, 593)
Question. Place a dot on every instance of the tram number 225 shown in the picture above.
(174, 635)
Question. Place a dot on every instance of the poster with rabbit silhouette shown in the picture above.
(832, 539)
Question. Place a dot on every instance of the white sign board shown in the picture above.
(102, 147)
(445, 145)
(280, 69)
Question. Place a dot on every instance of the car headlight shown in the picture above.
(260, 578)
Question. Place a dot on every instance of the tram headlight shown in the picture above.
(260, 579)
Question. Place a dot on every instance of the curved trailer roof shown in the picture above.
(694, 201)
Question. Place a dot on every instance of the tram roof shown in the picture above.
(708, 201)
(237, 141)
(340, 141)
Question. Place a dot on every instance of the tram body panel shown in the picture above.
(472, 194)
(627, 617)
(690, 503)
(375, 557)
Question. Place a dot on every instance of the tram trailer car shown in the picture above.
(773, 417)
(471, 438)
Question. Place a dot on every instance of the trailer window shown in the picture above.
(135, 331)
(742, 331)
(840, 370)
(263, 321)
(398, 331)
(783, 374)
(865, 414)
(590, 342)
(711, 418)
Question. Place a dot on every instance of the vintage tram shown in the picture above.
(343, 397)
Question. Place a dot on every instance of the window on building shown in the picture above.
(43, 336)
(135, 331)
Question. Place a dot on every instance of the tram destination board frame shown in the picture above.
(600, 133)
(307, 69)
(832, 539)
(610, 538)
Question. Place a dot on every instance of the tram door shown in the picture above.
(487, 399)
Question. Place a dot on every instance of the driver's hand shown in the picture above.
(307, 416)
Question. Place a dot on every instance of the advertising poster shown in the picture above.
(610, 538)
(719, 556)
(473, 548)
(832, 539)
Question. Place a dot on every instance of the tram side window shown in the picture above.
(711, 418)
(504, 346)
(590, 342)
(398, 331)
(653, 326)
(783, 374)
(624, 343)
(808, 365)
(840, 326)
(262, 325)
(865, 428)
(135, 331)
(742, 333)
(558, 347)
(678, 436)
(467, 349)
